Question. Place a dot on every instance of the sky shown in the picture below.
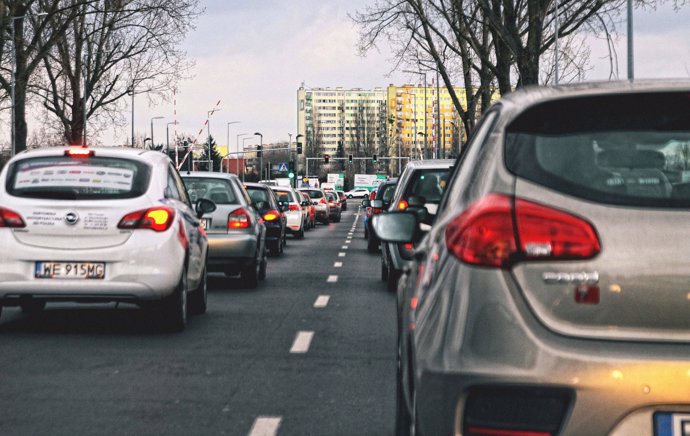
(252, 55)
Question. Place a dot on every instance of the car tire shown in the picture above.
(300, 234)
(262, 267)
(392, 279)
(250, 275)
(403, 420)
(372, 244)
(384, 271)
(366, 232)
(175, 307)
(198, 299)
(32, 307)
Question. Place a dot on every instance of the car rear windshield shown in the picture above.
(284, 196)
(217, 190)
(84, 178)
(631, 149)
(428, 183)
(314, 193)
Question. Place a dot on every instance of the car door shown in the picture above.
(176, 193)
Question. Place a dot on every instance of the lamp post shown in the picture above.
(244, 139)
(167, 140)
(261, 154)
(238, 150)
(227, 142)
(208, 129)
(14, 76)
(421, 73)
(153, 144)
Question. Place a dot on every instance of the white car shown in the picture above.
(295, 214)
(357, 193)
(101, 225)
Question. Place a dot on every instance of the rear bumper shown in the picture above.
(230, 253)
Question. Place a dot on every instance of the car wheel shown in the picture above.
(175, 307)
(393, 276)
(262, 266)
(198, 298)
(372, 244)
(300, 234)
(384, 271)
(366, 232)
(250, 275)
(403, 420)
(32, 307)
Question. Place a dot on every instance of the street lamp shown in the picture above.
(167, 140)
(153, 144)
(261, 154)
(297, 155)
(243, 160)
(228, 142)
(208, 127)
(421, 73)
(14, 75)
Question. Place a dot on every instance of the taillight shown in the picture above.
(158, 219)
(498, 231)
(376, 210)
(402, 205)
(239, 219)
(294, 207)
(271, 215)
(10, 218)
(322, 201)
(330, 203)
(79, 152)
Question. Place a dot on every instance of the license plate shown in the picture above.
(672, 424)
(70, 270)
(204, 223)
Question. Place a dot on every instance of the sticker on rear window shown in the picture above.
(75, 176)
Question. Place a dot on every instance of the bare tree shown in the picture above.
(113, 48)
(26, 41)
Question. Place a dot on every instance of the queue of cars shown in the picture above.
(81, 224)
(548, 295)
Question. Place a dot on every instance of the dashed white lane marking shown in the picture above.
(348, 241)
(341, 254)
(302, 342)
(265, 426)
(321, 301)
(338, 265)
(350, 234)
(332, 279)
(345, 247)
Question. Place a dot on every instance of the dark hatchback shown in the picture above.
(266, 202)
(379, 204)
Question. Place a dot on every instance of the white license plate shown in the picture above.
(672, 424)
(70, 270)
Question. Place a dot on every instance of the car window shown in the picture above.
(64, 177)
(314, 193)
(604, 149)
(261, 198)
(284, 195)
(428, 183)
(180, 188)
(217, 190)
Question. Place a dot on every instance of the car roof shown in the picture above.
(208, 175)
(128, 152)
(430, 163)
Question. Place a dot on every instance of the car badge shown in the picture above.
(71, 218)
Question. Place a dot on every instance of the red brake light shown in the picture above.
(402, 205)
(294, 207)
(271, 215)
(79, 152)
(239, 219)
(158, 219)
(9, 218)
(489, 231)
(322, 201)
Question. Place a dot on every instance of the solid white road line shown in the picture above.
(321, 301)
(332, 279)
(302, 342)
(341, 254)
(265, 426)
(338, 265)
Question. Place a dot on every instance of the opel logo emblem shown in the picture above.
(71, 218)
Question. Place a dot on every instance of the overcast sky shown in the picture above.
(252, 55)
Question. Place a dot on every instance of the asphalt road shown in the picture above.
(259, 362)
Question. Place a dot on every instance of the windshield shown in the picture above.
(217, 190)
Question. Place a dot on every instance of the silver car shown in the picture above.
(236, 231)
(421, 184)
(551, 295)
(101, 224)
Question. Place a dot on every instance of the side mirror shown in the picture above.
(366, 203)
(396, 226)
(377, 204)
(204, 206)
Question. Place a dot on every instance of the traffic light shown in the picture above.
(291, 169)
(349, 158)
(325, 158)
(259, 150)
(299, 148)
(374, 158)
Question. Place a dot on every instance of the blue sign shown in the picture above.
(283, 167)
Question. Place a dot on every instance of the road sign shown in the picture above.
(283, 167)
